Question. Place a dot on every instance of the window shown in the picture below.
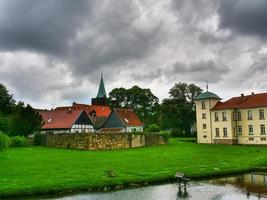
(251, 139)
(239, 130)
(261, 112)
(224, 132)
(263, 129)
(249, 114)
(224, 116)
(204, 116)
(250, 129)
(204, 126)
(216, 117)
(263, 139)
(217, 131)
(203, 103)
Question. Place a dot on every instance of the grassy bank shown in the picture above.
(36, 170)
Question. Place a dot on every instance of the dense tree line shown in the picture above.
(177, 112)
(174, 113)
(16, 118)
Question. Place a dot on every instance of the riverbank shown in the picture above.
(41, 170)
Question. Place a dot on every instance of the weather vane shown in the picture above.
(207, 85)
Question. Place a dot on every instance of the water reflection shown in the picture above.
(255, 183)
(250, 186)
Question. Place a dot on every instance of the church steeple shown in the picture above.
(101, 98)
(101, 90)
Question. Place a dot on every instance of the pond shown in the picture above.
(249, 186)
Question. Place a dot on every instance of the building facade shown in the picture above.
(239, 120)
(122, 120)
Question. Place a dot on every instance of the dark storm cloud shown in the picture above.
(244, 16)
(203, 70)
(42, 26)
(200, 71)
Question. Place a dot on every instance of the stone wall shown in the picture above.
(225, 141)
(100, 141)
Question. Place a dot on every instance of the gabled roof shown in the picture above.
(128, 117)
(207, 95)
(248, 101)
(59, 119)
(101, 111)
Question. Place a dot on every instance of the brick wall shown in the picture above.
(100, 141)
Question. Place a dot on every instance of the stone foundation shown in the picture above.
(100, 141)
(225, 141)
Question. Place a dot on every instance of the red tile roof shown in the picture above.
(128, 117)
(59, 119)
(249, 101)
(101, 111)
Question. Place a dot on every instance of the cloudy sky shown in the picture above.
(52, 52)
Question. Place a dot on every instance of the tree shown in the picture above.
(142, 100)
(178, 111)
(24, 120)
(7, 102)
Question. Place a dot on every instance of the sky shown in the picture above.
(53, 52)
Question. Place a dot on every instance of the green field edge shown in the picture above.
(64, 191)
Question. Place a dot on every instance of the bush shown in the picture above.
(19, 141)
(176, 133)
(153, 128)
(165, 134)
(4, 141)
(38, 139)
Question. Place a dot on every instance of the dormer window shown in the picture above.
(49, 120)
(126, 120)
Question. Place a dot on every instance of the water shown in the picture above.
(249, 186)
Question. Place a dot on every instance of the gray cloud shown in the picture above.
(53, 51)
(203, 70)
(244, 16)
(42, 26)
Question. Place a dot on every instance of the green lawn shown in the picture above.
(39, 170)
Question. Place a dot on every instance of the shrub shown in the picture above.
(153, 128)
(19, 141)
(38, 139)
(4, 141)
(176, 133)
(165, 134)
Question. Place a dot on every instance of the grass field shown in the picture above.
(36, 170)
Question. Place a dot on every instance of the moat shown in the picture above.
(249, 186)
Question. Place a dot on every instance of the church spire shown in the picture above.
(101, 90)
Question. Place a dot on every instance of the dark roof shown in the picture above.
(248, 101)
(128, 117)
(59, 119)
(207, 95)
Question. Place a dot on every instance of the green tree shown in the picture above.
(178, 111)
(142, 100)
(24, 120)
(7, 102)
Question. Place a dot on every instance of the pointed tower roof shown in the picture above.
(101, 90)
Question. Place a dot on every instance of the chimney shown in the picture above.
(252, 93)
(242, 95)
